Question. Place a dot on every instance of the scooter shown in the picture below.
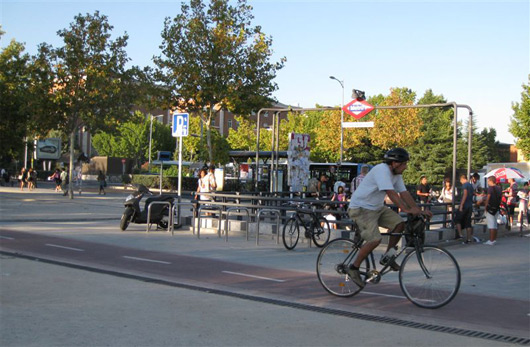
(134, 214)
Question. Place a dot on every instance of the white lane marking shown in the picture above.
(148, 260)
(64, 247)
(387, 295)
(7, 237)
(252, 276)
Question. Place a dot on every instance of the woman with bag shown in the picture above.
(446, 197)
(493, 202)
(511, 194)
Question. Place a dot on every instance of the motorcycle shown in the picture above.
(134, 214)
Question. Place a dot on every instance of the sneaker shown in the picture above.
(386, 260)
(490, 243)
(466, 242)
(355, 276)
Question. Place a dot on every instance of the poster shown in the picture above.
(298, 161)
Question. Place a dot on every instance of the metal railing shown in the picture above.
(170, 214)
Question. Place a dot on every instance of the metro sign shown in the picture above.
(358, 108)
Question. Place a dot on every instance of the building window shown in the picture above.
(266, 115)
(229, 123)
(265, 125)
(213, 122)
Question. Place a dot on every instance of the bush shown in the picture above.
(171, 183)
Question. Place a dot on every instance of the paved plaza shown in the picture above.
(45, 304)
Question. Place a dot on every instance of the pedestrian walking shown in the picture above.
(493, 202)
(64, 182)
(32, 177)
(78, 179)
(23, 178)
(523, 205)
(56, 177)
(102, 182)
(511, 195)
(463, 215)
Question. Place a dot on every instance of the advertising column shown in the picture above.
(298, 162)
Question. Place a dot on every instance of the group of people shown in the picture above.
(27, 178)
(206, 182)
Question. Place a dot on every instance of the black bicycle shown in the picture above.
(429, 275)
(317, 228)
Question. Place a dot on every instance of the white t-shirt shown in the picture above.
(371, 194)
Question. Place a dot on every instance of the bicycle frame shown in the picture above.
(413, 243)
(311, 226)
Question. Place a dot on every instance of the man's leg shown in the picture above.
(365, 251)
(394, 239)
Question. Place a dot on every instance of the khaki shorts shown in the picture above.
(369, 221)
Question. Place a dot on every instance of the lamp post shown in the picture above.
(151, 137)
(341, 118)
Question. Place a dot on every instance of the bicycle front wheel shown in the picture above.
(321, 232)
(291, 234)
(430, 278)
(332, 262)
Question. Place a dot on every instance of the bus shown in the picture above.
(345, 172)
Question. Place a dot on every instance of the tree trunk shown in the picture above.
(71, 166)
(209, 135)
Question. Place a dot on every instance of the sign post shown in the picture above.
(180, 129)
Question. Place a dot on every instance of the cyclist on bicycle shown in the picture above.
(367, 209)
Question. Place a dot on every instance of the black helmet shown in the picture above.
(396, 154)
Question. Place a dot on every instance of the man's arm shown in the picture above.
(464, 197)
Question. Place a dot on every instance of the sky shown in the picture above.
(474, 53)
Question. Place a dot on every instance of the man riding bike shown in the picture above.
(367, 209)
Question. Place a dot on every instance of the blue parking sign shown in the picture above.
(180, 124)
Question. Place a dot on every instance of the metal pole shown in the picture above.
(341, 118)
(469, 142)
(151, 137)
(257, 152)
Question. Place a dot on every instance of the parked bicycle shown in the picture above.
(316, 228)
(429, 275)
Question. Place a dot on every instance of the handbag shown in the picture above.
(492, 210)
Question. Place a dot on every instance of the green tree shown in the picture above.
(14, 97)
(131, 139)
(396, 127)
(213, 58)
(520, 121)
(432, 153)
(86, 83)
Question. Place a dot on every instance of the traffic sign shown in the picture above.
(358, 108)
(358, 124)
(180, 124)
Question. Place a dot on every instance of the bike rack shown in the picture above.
(227, 228)
(210, 208)
(178, 204)
(275, 212)
(170, 221)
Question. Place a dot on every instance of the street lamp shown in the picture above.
(341, 118)
(151, 136)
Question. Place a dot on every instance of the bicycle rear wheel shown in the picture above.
(431, 278)
(321, 232)
(332, 262)
(291, 234)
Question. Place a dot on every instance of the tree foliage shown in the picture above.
(396, 127)
(520, 121)
(131, 139)
(84, 82)
(433, 151)
(14, 98)
(213, 57)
